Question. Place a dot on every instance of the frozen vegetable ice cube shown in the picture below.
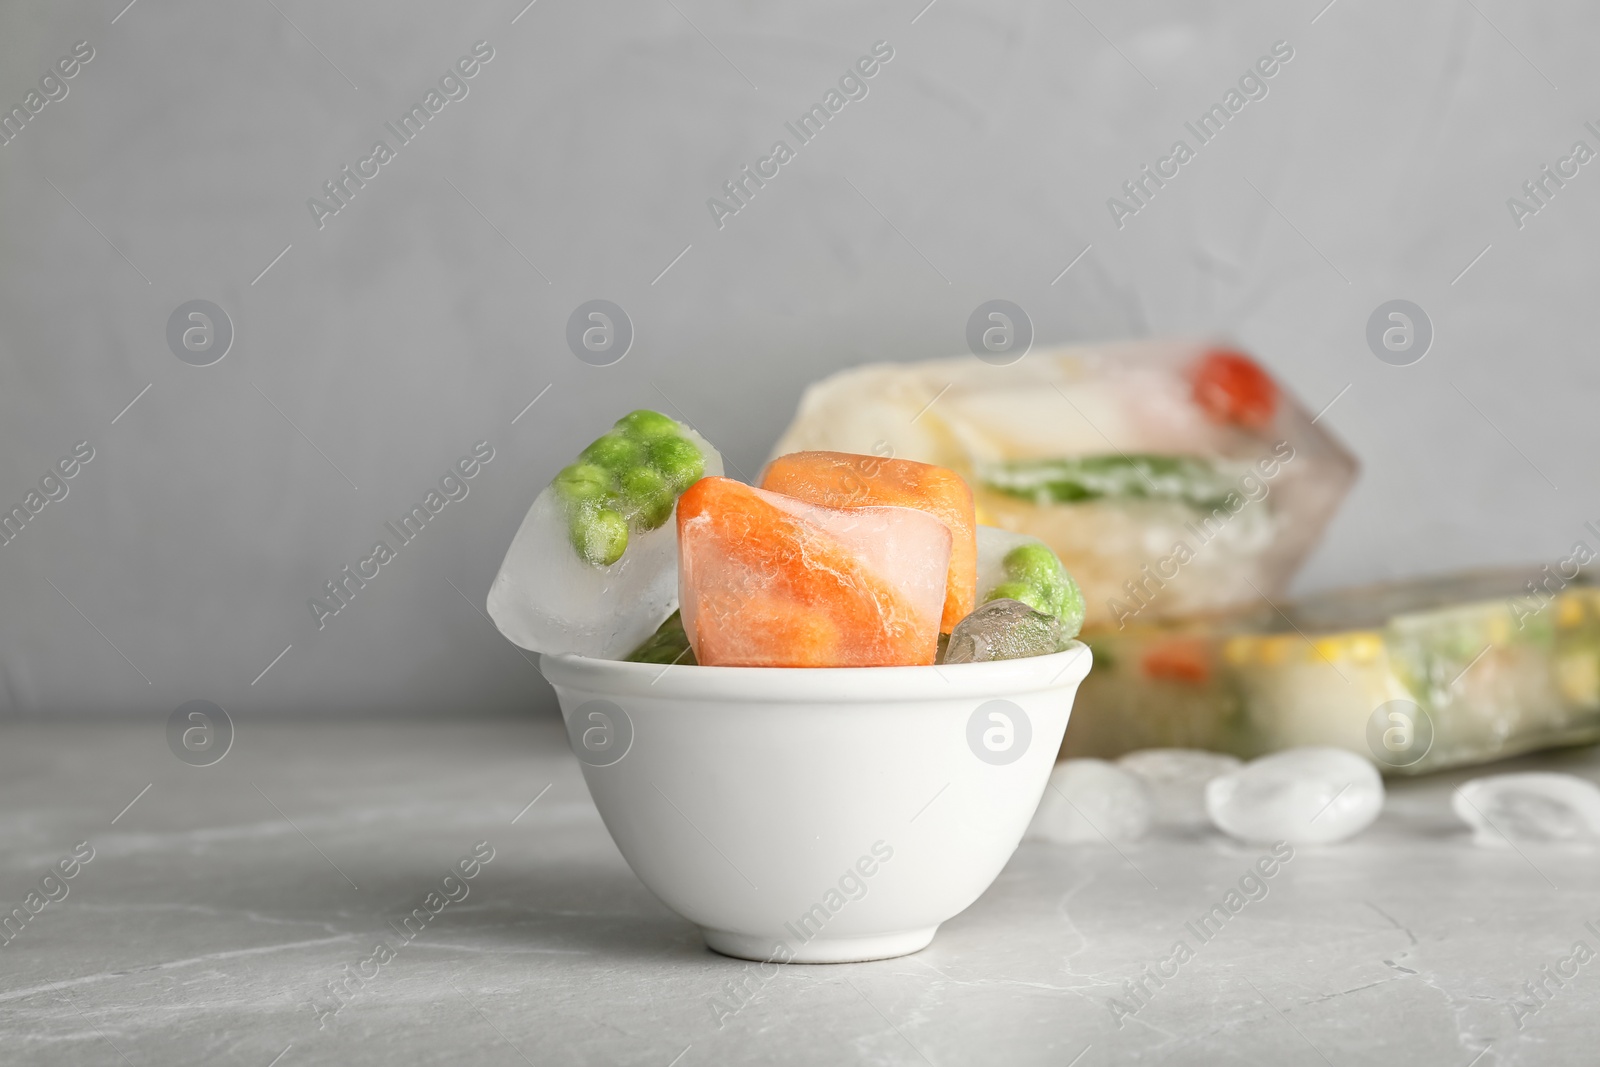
(1018, 567)
(845, 480)
(1003, 629)
(766, 580)
(593, 567)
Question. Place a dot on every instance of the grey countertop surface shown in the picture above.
(218, 907)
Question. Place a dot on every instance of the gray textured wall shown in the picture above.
(427, 313)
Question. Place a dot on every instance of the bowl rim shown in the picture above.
(794, 685)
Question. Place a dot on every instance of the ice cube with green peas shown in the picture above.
(1013, 566)
(593, 570)
(627, 482)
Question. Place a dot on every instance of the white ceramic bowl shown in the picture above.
(817, 815)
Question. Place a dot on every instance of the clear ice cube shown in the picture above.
(1309, 796)
(1536, 806)
(1003, 629)
(1090, 800)
(1177, 779)
(547, 598)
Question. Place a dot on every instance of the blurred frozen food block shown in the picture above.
(1170, 477)
(1416, 675)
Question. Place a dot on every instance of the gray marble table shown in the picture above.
(219, 906)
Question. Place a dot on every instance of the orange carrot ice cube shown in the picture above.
(845, 480)
(765, 580)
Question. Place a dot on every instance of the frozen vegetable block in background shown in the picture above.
(593, 568)
(770, 581)
(845, 480)
(1113, 455)
(1494, 670)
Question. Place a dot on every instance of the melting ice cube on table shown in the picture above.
(1177, 779)
(766, 580)
(1310, 796)
(1503, 809)
(593, 568)
(1090, 800)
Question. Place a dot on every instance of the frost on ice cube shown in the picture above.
(1018, 567)
(594, 567)
(1090, 800)
(1112, 455)
(1310, 796)
(1504, 809)
(1003, 629)
(1177, 779)
(770, 581)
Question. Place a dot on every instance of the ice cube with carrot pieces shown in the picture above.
(844, 480)
(769, 580)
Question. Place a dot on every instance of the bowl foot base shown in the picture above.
(819, 949)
